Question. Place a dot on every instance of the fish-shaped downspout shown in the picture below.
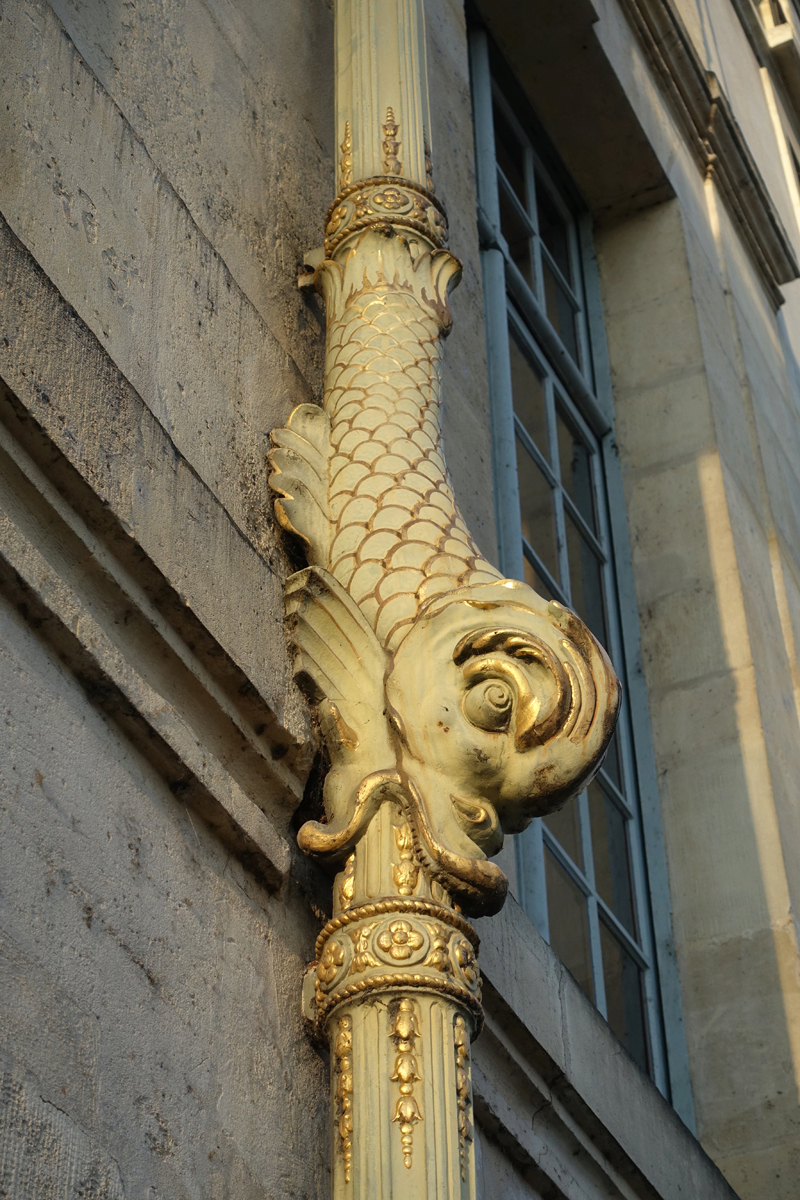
(455, 705)
(395, 535)
(493, 705)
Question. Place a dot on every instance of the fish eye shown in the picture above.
(489, 704)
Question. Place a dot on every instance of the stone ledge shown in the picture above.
(114, 550)
(120, 471)
(596, 1098)
(121, 670)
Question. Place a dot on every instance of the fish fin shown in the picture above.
(299, 460)
(338, 660)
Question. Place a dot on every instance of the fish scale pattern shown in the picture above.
(398, 537)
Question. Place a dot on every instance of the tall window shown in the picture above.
(582, 874)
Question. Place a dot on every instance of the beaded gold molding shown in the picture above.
(463, 1091)
(343, 1055)
(385, 202)
(397, 904)
(426, 945)
(383, 983)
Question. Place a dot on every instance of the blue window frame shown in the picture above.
(586, 874)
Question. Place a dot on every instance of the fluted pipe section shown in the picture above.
(382, 109)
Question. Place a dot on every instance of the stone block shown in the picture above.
(665, 424)
(743, 1057)
(43, 1153)
(120, 245)
(712, 848)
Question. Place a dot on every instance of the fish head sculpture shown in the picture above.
(504, 705)
(509, 698)
(464, 699)
(497, 707)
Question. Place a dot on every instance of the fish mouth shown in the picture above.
(480, 822)
(479, 886)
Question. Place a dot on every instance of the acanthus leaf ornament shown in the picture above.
(455, 705)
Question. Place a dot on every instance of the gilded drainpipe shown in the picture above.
(455, 705)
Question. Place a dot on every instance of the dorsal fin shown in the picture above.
(299, 459)
(341, 665)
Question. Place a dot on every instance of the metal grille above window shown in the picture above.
(582, 874)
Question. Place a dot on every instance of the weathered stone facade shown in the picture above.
(164, 168)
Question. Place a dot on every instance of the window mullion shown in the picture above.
(558, 500)
(598, 978)
(504, 451)
(533, 217)
(581, 241)
(564, 860)
(485, 151)
(515, 202)
(531, 876)
(595, 945)
(614, 794)
(535, 452)
(568, 288)
(582, 524)
(543, 573)
(621, 933)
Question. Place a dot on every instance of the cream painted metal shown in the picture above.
(380, 68)
(455, 705)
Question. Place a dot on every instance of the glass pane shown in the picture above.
(623, 980)
(586, 581)
(553, 230)
(534, 579)
(569, 923)
(576, 469)
(611, 762)
(516, 233)
(510, 154)
(536, 510)
(612, 876)
(560, 312)
(565, 825)
(529, 399)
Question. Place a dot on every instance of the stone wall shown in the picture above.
(707, 422)
(163, 169)
(162, 175)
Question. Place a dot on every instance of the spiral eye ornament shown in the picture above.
(489, 705)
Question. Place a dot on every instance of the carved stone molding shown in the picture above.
(715, 137)
(185, 694)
